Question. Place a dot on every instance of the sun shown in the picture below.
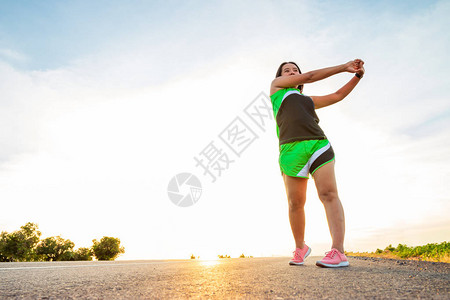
(208, 259)
(209, 256)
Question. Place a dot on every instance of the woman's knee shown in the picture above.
(296, 202)
(328, 195)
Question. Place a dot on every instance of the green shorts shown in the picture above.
(298, 159)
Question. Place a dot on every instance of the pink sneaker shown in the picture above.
(333, 259)
(300, 255)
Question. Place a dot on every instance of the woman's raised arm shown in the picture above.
(322, 101)
(312, 76)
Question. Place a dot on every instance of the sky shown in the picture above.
(104, 103)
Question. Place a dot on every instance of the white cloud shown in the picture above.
(9, 54)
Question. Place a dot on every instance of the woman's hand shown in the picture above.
(353, 65)
(360, 71)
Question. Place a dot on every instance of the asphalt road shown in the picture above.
(269, 278)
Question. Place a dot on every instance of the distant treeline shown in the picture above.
(222, 256)
(431, 252)
(26, 245)
(438, 252)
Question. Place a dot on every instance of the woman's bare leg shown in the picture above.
(325, 181)
(296, 194)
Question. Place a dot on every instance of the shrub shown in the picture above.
(107, 249)
(83, 254)
(55, 248)
(79, 254)
(20, 245)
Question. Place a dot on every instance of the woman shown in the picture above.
(304, 149)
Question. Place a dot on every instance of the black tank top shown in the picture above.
(297, 119)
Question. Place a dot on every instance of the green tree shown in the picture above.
(79, 254)
(83, 254)
(3, 242)
(389, 248)
(107, 249)
(54, 248)
(20, 245)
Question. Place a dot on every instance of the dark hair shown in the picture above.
(280, 69)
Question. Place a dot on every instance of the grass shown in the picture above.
(429, 252)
